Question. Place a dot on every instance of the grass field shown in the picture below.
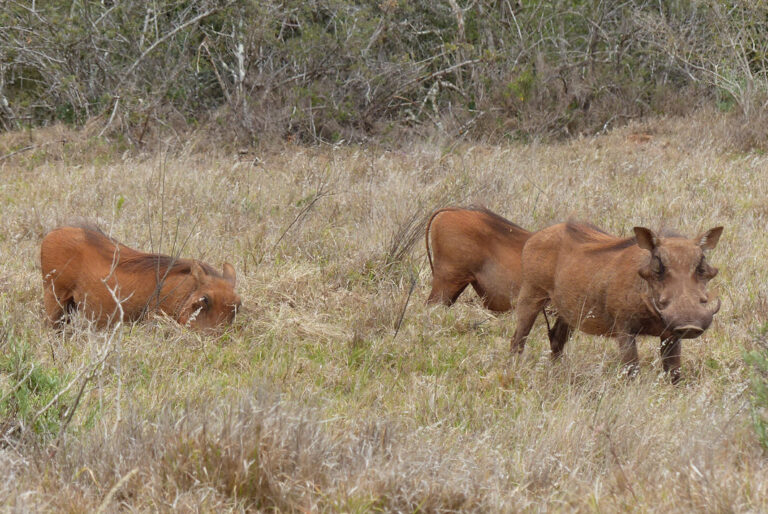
(338, 389)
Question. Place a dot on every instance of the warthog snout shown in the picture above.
(687, 332)
(693, 323)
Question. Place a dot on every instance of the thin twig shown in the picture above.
(224, 89)
(405, 307)
(30, 147)
(114, 332)
(301, 214)
(162, 40)
(18, 384)
(58, 395)
(111, 117)
(604, 432)
(440, 73)
(321, 192)
(73, 408)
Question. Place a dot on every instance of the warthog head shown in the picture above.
(677, 275)
(213, 302)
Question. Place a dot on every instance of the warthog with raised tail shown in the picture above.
(646, 285)
(478, 247)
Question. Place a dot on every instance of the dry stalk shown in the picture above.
(321, 192)
(414, 279)
(108, 498)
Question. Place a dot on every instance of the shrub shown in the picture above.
(335, 70)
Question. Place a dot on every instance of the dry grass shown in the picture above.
(310, 402)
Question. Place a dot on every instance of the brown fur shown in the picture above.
(80, 265)
(474, 246)
(603, 285)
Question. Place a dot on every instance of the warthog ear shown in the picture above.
(229, 273)
(197, 272)
(709, 239)
(646, 239)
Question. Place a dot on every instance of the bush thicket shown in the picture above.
(349, 69)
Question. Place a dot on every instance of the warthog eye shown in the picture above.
(657, 266)
(705, 271)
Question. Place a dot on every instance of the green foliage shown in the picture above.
(119, 203)
(758, 359)
(520, 88)
(28, 387)
(725, 101)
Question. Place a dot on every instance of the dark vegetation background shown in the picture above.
(332, 70)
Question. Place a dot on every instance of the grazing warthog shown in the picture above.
(479, 247)
(84, 269)
(474, 246)
(603, 285)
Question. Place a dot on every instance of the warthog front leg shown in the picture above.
(558, 336)
(670, 357)
(628, 354)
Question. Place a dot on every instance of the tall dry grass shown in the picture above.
(312, 401)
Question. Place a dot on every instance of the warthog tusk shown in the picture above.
(651, 303)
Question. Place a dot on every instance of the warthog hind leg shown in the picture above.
(529, 304)
(58, 305)
(445, 291)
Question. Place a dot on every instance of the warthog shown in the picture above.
(84, 269)
(479, 247)
(474, 246)
(603, 285)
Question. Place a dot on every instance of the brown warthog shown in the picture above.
(604, 285)
(474, 246)
(84, 269)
